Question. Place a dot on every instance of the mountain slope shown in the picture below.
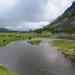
(64, 23)
(3, 30)
(67, 20)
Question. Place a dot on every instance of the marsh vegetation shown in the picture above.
(6, 38)
(66, 47)
(34, 42)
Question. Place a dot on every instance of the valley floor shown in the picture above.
(43, 59)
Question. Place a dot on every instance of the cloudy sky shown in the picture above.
(30, 14)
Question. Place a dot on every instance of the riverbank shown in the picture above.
(66, 47)
(6, 71)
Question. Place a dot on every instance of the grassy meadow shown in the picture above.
(69, 44)
(6, 38)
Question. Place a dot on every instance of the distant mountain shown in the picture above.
(10, 30)
(3, 30)
(6, 30)
(67, 20)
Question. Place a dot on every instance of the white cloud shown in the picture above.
(27, 25)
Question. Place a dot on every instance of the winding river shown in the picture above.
(27, 59)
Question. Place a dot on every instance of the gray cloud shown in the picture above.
(31, 11)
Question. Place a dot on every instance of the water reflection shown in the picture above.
(27, 59)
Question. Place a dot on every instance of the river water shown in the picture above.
(27, 59)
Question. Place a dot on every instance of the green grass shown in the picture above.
(34, 42)
(70, 44)
(6, 71)
(9, 37)
(66, 47)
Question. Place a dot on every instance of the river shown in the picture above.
(27, 59)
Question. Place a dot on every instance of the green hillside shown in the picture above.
(64, 23)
